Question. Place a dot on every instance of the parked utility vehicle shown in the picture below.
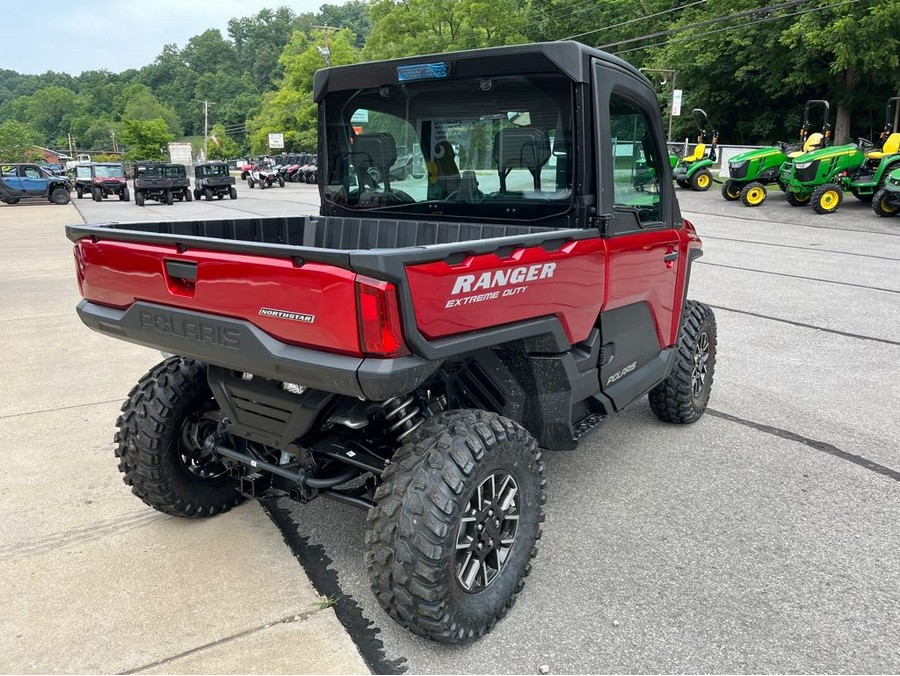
(160, 181)
(100, 180)
(410, 352)
(265, 175)
(213, 179)
(20, 181)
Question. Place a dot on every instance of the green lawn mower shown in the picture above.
(820, 178)
(886, 202)
(750, 172)
(692, 171)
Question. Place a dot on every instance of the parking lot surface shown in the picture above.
(761, 539)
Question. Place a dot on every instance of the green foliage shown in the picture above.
(291, 110)
(146, 139)
(17, 142)
(222, 146)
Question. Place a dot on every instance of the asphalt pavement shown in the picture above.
(761, 539)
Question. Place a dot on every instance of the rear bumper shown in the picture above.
(241, 346)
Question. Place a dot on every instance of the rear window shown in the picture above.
(483, 148)
(8, 171)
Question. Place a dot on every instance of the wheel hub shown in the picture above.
(701, 365)
(196, 458)
(487, 531)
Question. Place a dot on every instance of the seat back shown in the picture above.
(892, 145)
(373, 150)
(521, 148)
(814, 141)
(698, 154)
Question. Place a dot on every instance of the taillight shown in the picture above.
(379, 318)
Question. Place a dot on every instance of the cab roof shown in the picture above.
(572, 59)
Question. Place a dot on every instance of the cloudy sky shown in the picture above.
(76, 35)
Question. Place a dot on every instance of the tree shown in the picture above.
(291, 110)
(17, 142)
(221, 145)
(50, 110)
(145, 139)
(137, 102)
(259, 41)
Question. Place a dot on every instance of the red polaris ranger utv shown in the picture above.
(411, 349)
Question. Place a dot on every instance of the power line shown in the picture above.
(708, 22)
(630, 21)
(728, 28)
(556, 11)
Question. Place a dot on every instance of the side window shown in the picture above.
(32, 172)
(8, 171)
(637, 162)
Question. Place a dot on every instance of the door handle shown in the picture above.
(671, 256)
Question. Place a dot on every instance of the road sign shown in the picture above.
(276, 140)
(676, 102)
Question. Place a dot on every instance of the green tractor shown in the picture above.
(692, 171)
(821, 177)
(886, 202)
(750, 172)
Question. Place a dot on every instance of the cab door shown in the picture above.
(639, 319)
(34, 181)
(9, 174)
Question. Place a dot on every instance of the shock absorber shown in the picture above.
(402, 416)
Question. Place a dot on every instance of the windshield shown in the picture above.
(478, 148)
(109, 171)
(214, 170)
(83, 172)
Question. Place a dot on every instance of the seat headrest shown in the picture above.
(892, 145)
(373, 150)
(813, 142)
(521, 148)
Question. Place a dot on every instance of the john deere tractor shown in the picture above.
(886, 202)
(750, 172)
(820, 177)
(692, 171)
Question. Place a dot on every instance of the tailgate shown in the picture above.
(300, 303)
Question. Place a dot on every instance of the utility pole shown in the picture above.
(326, 51)
(671, 99)
(71, 144)
(115, 147)
(205, 130)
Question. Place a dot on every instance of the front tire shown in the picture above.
(138, 198)
(232, 193)
(753, 194)
(795, 200)
(60, 196)
(826, 199)
(169, 197)
(683, 396)
(160, 443)
(731, 191)
(125, 196)
(455, 527)
(881, 204)
(79, 192)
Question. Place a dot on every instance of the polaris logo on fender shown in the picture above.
(619, 374)
(499, 278)
(284, 314)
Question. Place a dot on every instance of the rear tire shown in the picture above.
(125, 196)
(827, 198)
(731, 191)
(753, 194)
(79, 192)
(196, 194)
(882, 206)
(683, 396)
(250, 183)
(169, 198)
(232, 193)
(418, 572)
(701, 181)
(281, 181)
(188, 197)
(682, 183)
(138, 198)
(208, 194)
(60, 196)
(96, 195)
(865, 199)
(159, 430)
(11, 200)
